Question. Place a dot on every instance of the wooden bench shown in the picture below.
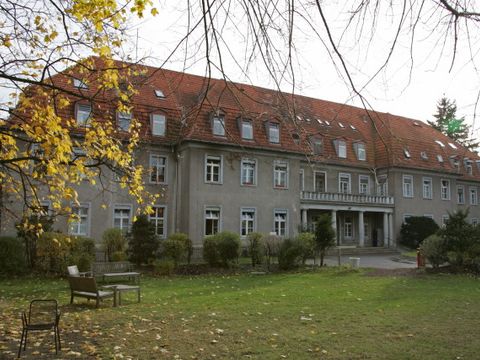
(86, 287)
(115, 269)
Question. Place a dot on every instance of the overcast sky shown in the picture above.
(401, 89)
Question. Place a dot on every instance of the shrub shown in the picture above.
(53, 249)
(177, 247)
(163, 267)
(142, 241)
(306, 243)
(30, 234)
(113, 241)
(221, 249)
(12, 255)
(415, 229)
(434, 249)
(272, 246)
(289, 255)
(256, 249)
(324, 235)
(82, 252)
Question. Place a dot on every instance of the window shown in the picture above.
(364, 184)
(219, 125)
(460, 194)
(247, 130)
(406, 152)
(405, 217)
(474, 221)
(320, 181)
(382, 185)
(124, 119)
(424, 155)
(430, 216)
(157, 218)
(445, 189)
(247, 221)
(341, 125)
(158, 167)
(452, 145)
(344, 183)
(360, 151)
(317, 146)
(280, 222)
(79, 84)
(273, 133)
(445, 220)
(440, 143)
(121, 217)
(45, 208)
(407, 186)
(79, 226)
(280, 175)
(158, 124)
(213, 169)
(473, 196)
(212, 220)
(427, 188)
(82, 114)
(159, 94)
(468, 166)
(302, 180)
(440, 158)
(348, 228)
(248, 172)
(341, 148)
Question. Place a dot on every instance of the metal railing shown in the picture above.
(347, 198)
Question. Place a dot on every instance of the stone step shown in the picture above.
(363, 250)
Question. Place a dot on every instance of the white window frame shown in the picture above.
(348, 228)
(382, 187)
(317, 146)
(473, 195)
(122, 118)
(474, 221)
(122, 207)
(154, 174)
(406, 216)
(46, 205)
(285, 221)
(444, 220)
(349, 184)
(209, 178)
(246, 221)
(244, 169)
(361, 151)
(212, 208)
(342, 149)
(158, 122)
(243, 125)
(315, 172)
(367, 190)
(302, 179)
(84, 120)
(277, 174)
(218, 125)
(430, 216)
(274, 133)
(461, 201)
(79, 84)
(445, 190)
(154, 219)
(427, 190)
(407, 191)
(74, 227)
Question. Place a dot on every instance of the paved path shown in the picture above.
(377, 261)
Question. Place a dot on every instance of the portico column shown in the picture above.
(361, 230)
(385, 229)
(390, 230)
(334, 225)
(304, 219)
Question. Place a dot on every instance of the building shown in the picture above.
(236, 157)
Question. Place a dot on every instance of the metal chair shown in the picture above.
(42, 315)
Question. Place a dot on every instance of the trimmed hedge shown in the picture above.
(221, 249)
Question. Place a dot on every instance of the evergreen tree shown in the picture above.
(448, 123)
(324, 235)
(142, 243)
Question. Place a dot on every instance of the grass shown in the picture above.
(328, 314)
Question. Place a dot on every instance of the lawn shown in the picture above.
(326, 314)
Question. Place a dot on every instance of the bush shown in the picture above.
(256, 249)
(113, 241)
(142, 241)
(163, 267)
(12, 255)
(82, 252)
(289, 255)
(53, 250)
(221, 249)
(177, 247)
(272, 246)
(306, 243)
(28, 230)
(324, 235)
(415, 229)
(434, 249)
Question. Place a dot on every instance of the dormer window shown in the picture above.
(341, 148)
(123, 120)
(327, 122)
(273, 133)
(159, 94)
(440, 158)
(440, 143)
(360, 151)
(406, 152)
(424, 155)
(416, 123)
(79, 84)
(320, 121)
(299, 118)
(246, 129)
(452, 145)
(352, 127)
(83, 113)
(296, 138)
(341, 125)
(468, 166)
(218, 125)
(317, 145)
(158, 123)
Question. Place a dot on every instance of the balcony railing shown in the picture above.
(347, 198)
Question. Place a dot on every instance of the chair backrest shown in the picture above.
(43, 311)
(73, 270)
(79, 283)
